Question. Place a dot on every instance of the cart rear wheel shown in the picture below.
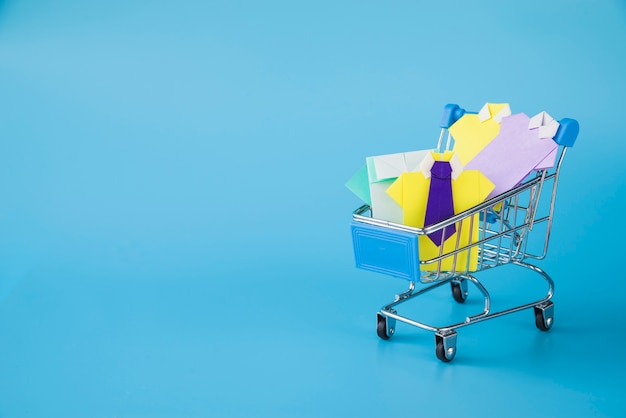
(381, 327)
(459, 291)
(544, 316)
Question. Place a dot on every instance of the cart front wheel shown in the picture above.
(459, 290)
(445, 346)
(385, 327)
(544, 316)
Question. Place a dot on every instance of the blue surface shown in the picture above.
(174, 226)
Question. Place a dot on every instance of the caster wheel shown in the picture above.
(544, 316)
(445, 346)
(459, 291)
(385, 327)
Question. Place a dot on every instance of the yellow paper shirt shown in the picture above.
(469, 189)
(471, 135)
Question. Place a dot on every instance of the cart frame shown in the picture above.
(505, 223)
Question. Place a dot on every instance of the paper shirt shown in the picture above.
(472, 132)
(515, 152)
(372, 180)
(359, 185)
(469, 188)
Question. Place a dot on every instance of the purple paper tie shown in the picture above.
(440, 205)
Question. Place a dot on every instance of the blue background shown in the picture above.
(174, 226)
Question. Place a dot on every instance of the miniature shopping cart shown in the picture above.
(506, 224)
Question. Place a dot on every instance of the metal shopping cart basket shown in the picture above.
(505, 225)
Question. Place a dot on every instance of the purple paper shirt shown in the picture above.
(513, 154)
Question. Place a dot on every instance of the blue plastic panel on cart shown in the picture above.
(386, 251)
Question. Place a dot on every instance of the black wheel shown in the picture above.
(458, 293)
(440, 351)
(381, 327)
(544, 316)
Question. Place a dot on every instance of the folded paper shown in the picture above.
(548, 162)
(469, 188)
(472, 132)
(495, 111)
(545, 124)
(520, 147)
(372, 180)
(440, 205)
(359, 185)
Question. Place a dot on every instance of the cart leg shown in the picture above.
(445, 345)
(385, 326)
(544, 315)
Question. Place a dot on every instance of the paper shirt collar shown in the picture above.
(545, 123)
(494, 111)
(428, 162)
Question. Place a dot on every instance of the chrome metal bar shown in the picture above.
(414, 294)
(440, 257)
(449, 141)
(358, 213)
(536, 205)
(441, 135)
(464, 248)
(485, 205)
(553, 199)
(514, 236)
(482, 240)
(458, 242)
(457, 245)
(407, 292)
(484, 315)
(478, 318)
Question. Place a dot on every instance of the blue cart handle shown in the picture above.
(567, 133)
(451, 113)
